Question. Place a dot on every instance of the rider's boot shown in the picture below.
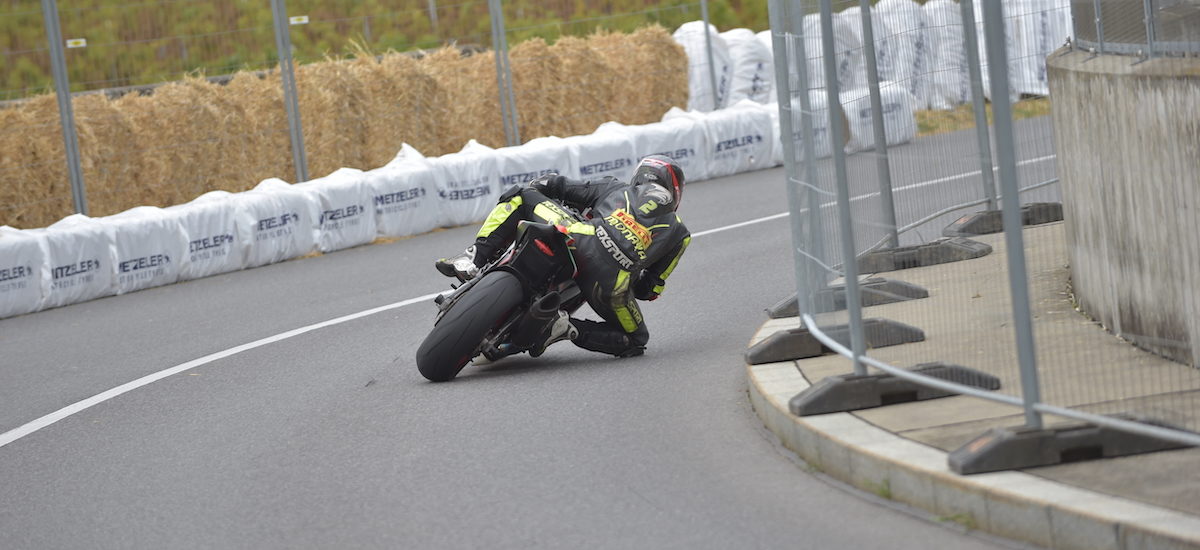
(461, 266)
(560, 329)
(605, 338)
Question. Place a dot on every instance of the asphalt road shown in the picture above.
(330, 438)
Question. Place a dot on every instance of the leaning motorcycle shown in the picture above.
(507, 308)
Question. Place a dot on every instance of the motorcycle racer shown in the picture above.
(628, 240)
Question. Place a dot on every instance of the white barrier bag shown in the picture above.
(79, 263)
(899, 116)
(700, 79)
(910, 27)
(767, 41)
(847, 50)
(21, 273)
(347, 217)
(404, 195)
(148, 245)
(536, 158)
(607, 153)
(468, 184)
(682, 140)
(739, 139)
(822, 139)
(949, 84)
(753, 69)
(282, 221)
(216, 243)
(884, 55)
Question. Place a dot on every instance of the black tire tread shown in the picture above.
(447, 348)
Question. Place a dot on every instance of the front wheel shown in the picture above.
(456, 337)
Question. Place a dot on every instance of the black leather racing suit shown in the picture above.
(626, 246)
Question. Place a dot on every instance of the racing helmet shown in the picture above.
(660, 178)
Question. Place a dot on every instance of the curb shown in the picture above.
(1015, 504)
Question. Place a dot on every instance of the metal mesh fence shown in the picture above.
(1007, 309)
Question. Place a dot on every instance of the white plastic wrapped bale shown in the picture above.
(753, 69)
(764, 38)
(148, 247)
(1010, 35)
(700, 86)
(1039, 28)
(950, 83)
(216, 242)
(847, 46)
(822, 138)
(282, 221)
(739, 138)
(468, 184)
(909, 26)
(534, 159)
(346, 218)
(79, 261)
(21, 272)
(606, 153)
(682, 139)
(885, 60)
(899, 116)
(404, 197)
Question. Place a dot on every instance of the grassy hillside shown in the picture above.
(133, 42)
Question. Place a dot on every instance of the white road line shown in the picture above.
(31, 427)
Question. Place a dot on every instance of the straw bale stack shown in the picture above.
(260, 145)
(399, 99)
(538, 85)
(472, 106)
(649, 73)
(36, 190)
(332, 112)
(583, 73)
(111, 165)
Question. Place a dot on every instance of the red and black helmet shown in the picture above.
(664, 172)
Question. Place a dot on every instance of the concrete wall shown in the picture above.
(1128, 139)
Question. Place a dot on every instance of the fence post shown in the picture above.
(882, 164)
(283, 43)
(817, 275)
(776, 15)
(712, 68)
(845, 222)
(504, 81)
(1099, 24)
(993, 26)
(978, 102)
(1149, 20)
(66, 111)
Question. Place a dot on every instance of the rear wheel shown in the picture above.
(455, 338)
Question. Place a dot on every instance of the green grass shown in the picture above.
(938, 122)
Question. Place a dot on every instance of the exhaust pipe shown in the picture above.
(540, 314)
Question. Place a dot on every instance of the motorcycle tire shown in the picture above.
(455, 338)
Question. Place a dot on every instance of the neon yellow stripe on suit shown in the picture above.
(551, 213)
(667, 272)
(499, 215)
(628, 323)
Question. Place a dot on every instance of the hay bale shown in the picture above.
(261, 146)
(398, 106)
(109, 160)
(37, 189)
(472, 106)
(582, 69)
(649, 73)
(538, 86)
(332, 114)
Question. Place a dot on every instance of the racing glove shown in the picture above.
(643, 289)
